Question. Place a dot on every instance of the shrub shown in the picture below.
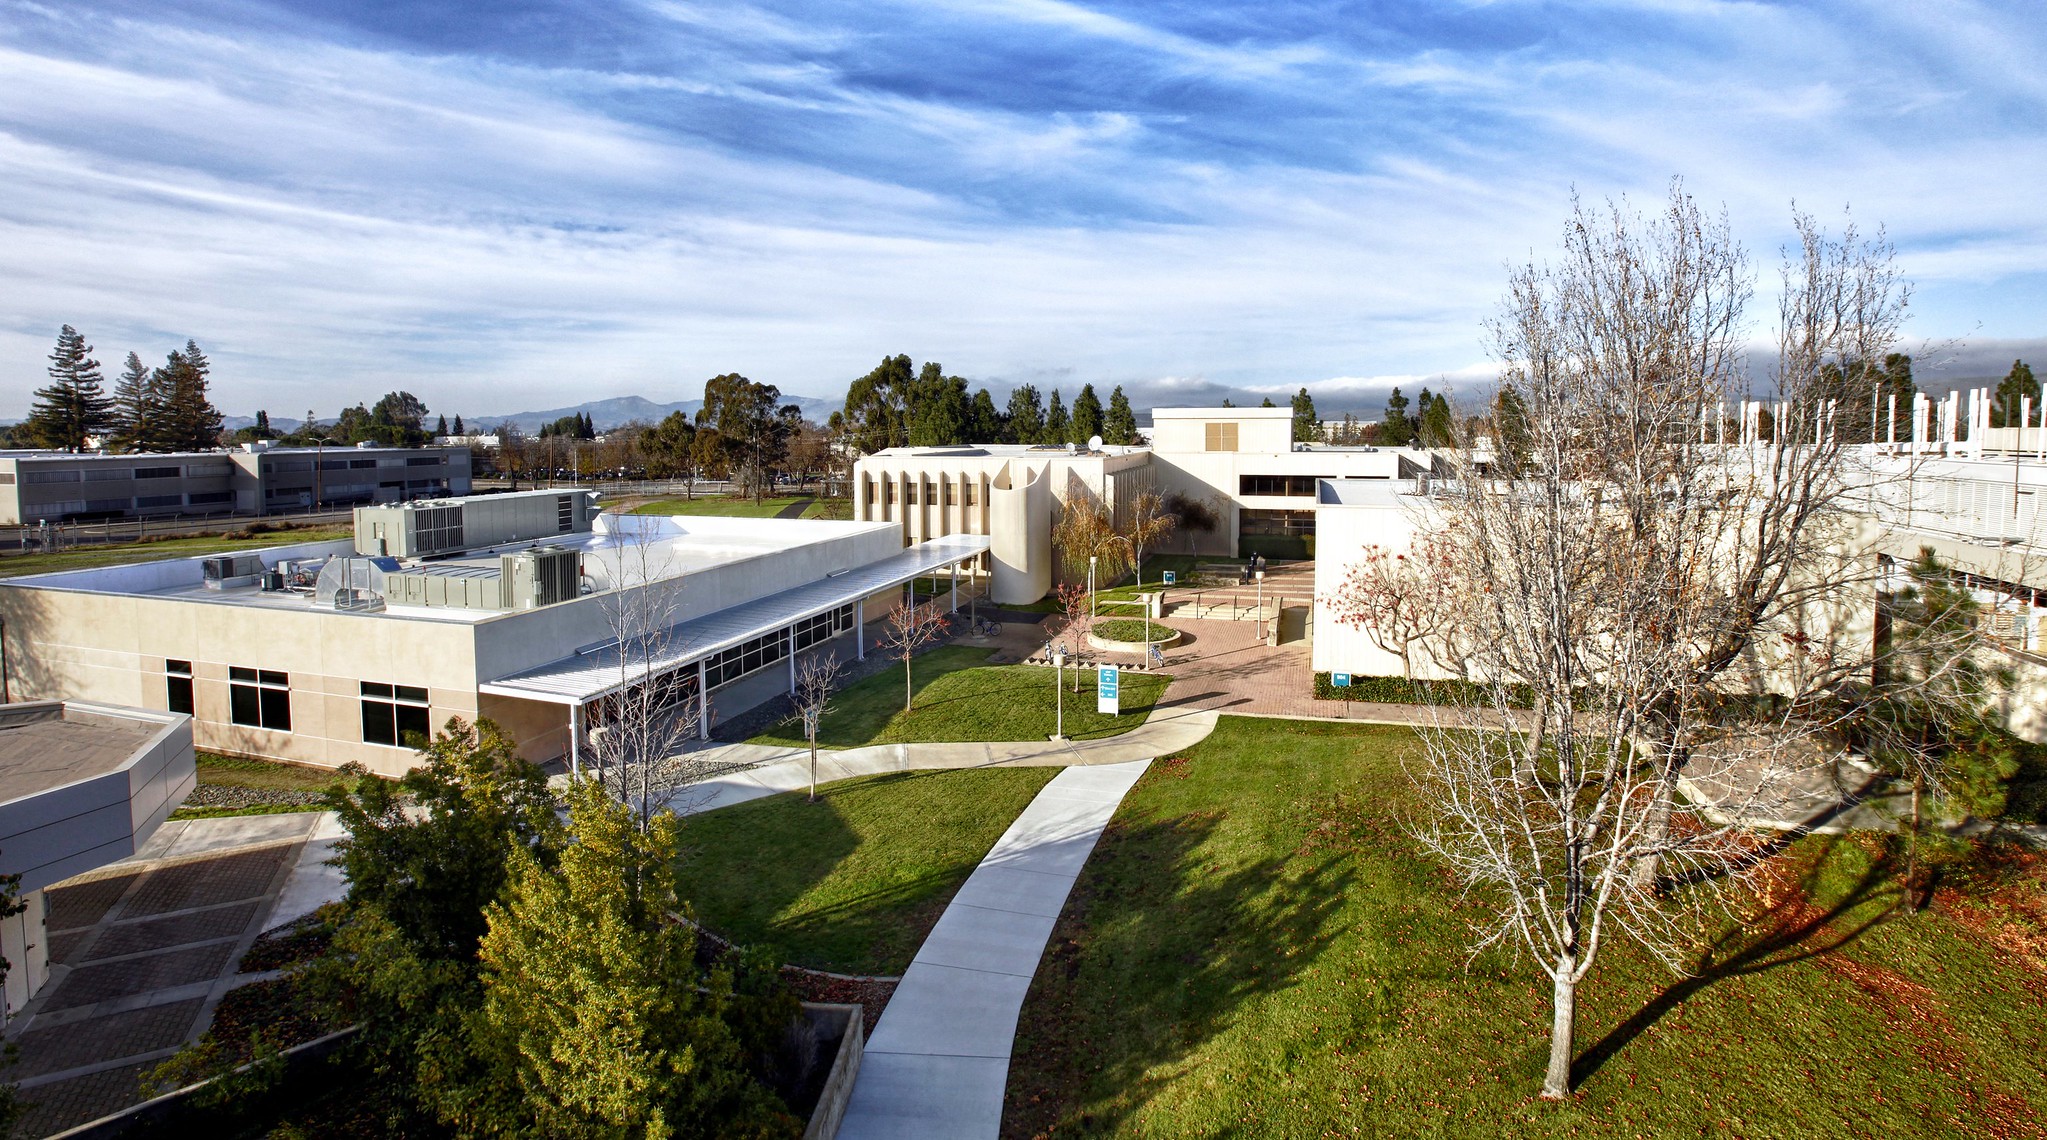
(1406, 691)
(1130, 629)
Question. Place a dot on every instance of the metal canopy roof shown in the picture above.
(594, 672)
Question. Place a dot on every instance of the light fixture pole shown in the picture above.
(1091, 588)
(1058, 691)
(1261, 597)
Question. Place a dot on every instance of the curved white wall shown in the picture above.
(1020, 518)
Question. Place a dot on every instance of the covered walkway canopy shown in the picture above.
(598, 671)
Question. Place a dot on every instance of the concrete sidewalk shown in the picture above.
(763, 770)
(938, 1062)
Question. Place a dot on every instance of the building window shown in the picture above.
(396, 715)
(259, 698)
(51, 477)
(156, 472)
(1221, 437)
(210, 497)
(426, 461)
(824, 627)
(1298, 486)
(177, 686)
(159, 500)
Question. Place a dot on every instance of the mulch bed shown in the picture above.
(872, 996)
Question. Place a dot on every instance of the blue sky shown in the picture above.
(533, 202)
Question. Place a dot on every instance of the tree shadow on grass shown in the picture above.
(1156, 952)
(1794, 930)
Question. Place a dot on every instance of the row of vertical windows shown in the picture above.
(397, 715)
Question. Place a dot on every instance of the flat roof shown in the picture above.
(628, 548)
(1359, 492)
(45, 745)
(587, 675)
(1223, 413)
(1009, 451)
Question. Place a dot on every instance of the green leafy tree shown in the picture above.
(1395, 428)
(668, 446)
(752, 427)
(1026, 420)
(1267, 403)
(876, 414)
(937, 408)
(422, 858)
(1057, 428)
(2017, 385)
(396, 420)
(1119, 423)
(1307, 425)
(135, 405)
(594, 1022)
(74, 405)
(1087, 415)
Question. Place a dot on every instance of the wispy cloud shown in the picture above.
(494, 207)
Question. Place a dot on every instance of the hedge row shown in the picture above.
(1404, 691)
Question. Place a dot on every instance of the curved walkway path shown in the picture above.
(938, 1062)
(758, 770)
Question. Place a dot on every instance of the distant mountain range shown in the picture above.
(608, 414)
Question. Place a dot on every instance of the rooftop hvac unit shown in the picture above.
(230, 571)
(540, 577)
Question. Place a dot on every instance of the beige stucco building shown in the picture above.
(314, 653)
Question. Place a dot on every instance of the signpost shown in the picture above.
(1172, 579)
(1106, 687)
(1340, 680)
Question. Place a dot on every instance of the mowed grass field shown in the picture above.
(730, 506)
(853, 882)
(1258, 948)
(961, 697)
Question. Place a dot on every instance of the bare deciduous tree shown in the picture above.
(1402, 602)
(1077, 605)
(636, 737)
(910, 628)
(1680, 610)
(1150, 522)
(817, 678)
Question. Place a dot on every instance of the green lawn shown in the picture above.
(90, 557)
(727, 505)
(1131, 630)
(853, 882)
(960, 697)
(1258, 948)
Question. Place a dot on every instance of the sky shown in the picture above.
(528, 203)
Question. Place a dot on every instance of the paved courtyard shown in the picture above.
(141, 951)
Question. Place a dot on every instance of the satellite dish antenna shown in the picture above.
(1094, 443)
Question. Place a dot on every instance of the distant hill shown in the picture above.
(607, 414)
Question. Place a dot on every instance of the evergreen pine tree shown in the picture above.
(1056, 424)
(1267, 403)
(74, 405)
(2005, 407)
(134, 405)
(441, 428)
(1087, 415)
(984, 423)
(263, 425)
(1026, 420)
(1437, 426)
(1307, 426)
(1119, 423)
(937, 408)
(458, 426)
(1395, 428)
(187, 421)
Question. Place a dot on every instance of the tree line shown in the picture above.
(165, 408)
(899, 404)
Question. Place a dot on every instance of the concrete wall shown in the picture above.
(1343, 534)
(1184, 430)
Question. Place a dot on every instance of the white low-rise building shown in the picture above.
(509, 607)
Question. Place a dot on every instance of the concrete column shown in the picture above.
(703, 699)
(860, 630)
(576, 738)
(792, 659)
(859, 489)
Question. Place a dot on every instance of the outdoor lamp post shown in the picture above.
(1261, 597)
(1091, 588)
(1058, 656)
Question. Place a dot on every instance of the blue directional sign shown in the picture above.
(1172, 578)
(1107, 683)
(1340, 680)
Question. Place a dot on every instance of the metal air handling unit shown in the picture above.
(523, 580)
(433, 528)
